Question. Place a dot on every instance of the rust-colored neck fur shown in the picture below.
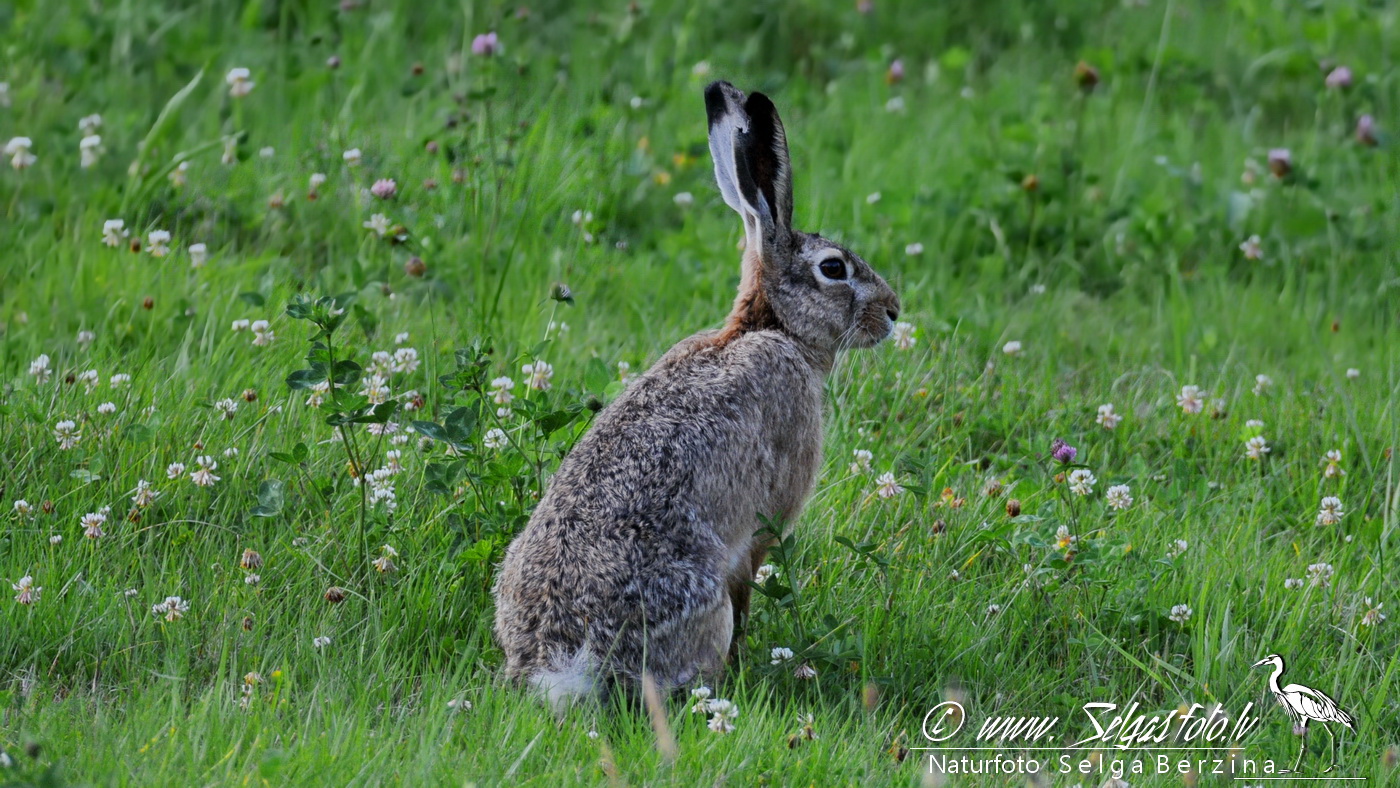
(751, 311)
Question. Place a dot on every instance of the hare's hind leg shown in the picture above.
(714, 633)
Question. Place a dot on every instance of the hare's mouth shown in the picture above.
(874, 327)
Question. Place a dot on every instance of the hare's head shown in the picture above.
(818, 291)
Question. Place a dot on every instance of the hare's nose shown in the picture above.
(893, 312)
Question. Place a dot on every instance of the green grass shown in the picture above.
(1120, 274)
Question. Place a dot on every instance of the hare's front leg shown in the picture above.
(741, 590)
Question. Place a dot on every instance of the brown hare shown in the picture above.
(639, 556)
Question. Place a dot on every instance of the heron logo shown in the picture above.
(1304, 705)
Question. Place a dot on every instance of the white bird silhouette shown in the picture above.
(1303, 704)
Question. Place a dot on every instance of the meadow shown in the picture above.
(301, 303)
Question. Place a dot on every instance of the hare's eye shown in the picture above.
(833, 268)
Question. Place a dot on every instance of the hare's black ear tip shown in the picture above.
(716, 100)
(759, 105)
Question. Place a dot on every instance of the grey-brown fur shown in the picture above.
(639, 555)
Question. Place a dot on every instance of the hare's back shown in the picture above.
(714, 434)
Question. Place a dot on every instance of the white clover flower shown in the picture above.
(381, 362)
(1107, 418)
(158, 243)
(379, 223)
(240, 82)
(22, 507)
(67, 434)
(538, 374)
(318, 394)
(1254, 424)
(895, 104)
(1180, 613)
(1064, 540)
(376, 389)
(501, 391)
(199, 253)
(903, 335)
(90, 379)
(56, 539)
(107, 408)
(29, 593)
(145, 495)
(114, 232)
(993, 609)
(684, 199)
(39, 368)
(228, 406)
(1353, 373)
(1320, 574)
(1330, 511)
(1012, 348)
(1119, 497)
(204, 476)
(1191, 399)
(89, 124)
(863, 458)
(316, 180)
(723, 713)
(702, 700)
(267, 152)
(1081, 481)
(18, 149)
(242, 324)
(914, 249)
(262, 333)
(173, 608)
(405, 360)
(1178, 546)
(886, 486)
(86, 338)
(92, 524)
(387, 428)
(779, 655)
(872, 198)
(1251, 248)
(495, 439)
(1333, 462)
(1373, 614)
(383, 494)
(1255, 448)
(351, 157)
(89, 150)
(1262, 384)
(174, 470)
(805, 672)
(252, 579)
(118, 380)
(179, 176)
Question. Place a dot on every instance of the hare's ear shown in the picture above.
(729, 125)
(769, 168)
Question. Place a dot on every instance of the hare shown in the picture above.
(638, 558)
